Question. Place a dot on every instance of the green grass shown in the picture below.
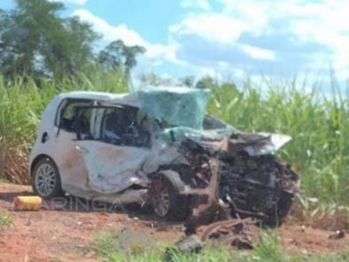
(4, 181)
(5, 220)
(126, 243)
(107, 245)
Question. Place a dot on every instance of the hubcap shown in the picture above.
(161, 201)
(45, 179)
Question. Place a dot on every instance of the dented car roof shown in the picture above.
(111, 98)
(179, 106)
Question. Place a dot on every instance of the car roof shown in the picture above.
(104, 97)
(131, 99)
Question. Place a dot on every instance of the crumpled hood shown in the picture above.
(254, 144)
(260, 143)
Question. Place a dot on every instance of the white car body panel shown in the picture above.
(93, 169)
(111, 169)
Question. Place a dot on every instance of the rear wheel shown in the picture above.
(166, 200)
(46, 180)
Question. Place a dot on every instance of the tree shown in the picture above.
(73, 51)
(206, 82)
(152, 79)
(187, 81)
(118, 55)
(36, 41)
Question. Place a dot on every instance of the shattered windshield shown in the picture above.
(177, 106)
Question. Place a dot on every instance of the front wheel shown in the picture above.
(46, 180)
(165, 197)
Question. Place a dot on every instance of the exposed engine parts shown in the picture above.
(232, 194)
(239, 233)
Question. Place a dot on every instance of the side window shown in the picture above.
(109, 123)
(122, 126)
(114, 124)
(68, 113)
(84, 123)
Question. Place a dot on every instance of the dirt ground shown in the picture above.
(64, 231)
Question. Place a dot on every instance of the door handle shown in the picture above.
(81, 149)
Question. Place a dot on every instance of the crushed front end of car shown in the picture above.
(222, 172)
(234, 183)
(230, 181)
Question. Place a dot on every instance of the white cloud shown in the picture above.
(258, 53)
(322, 22)
(200, 72)
(203, 4)
(325, 23)
(74, 2)
(221, 27)
(227, 25)
(219, 71)
(130, 37)
(213, 27)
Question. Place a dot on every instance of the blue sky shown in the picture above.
(226, 38)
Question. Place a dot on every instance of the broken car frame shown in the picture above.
(158, 146)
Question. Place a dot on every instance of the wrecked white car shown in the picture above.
(157, 146)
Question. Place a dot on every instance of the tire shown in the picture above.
(166, 201)
(46, 172)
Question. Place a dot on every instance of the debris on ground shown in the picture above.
(337, 235)
(238, 233)
(27, 203)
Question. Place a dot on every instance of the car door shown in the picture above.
(69, 161)
(112, 160)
